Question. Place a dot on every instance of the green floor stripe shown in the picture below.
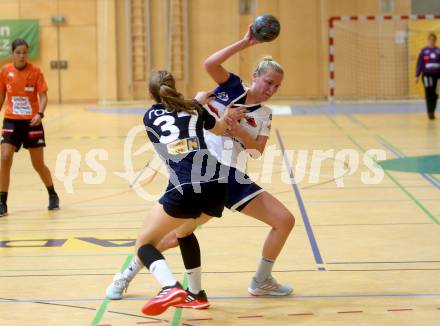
(418, 203)
(434, 177)
(356, 121)
(102, 309)
(334, 122)
(414, 199)
(178, 313)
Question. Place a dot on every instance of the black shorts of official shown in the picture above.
(241, 190)
(19, 132)
(186, 201)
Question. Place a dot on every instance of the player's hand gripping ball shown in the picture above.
(266, 28)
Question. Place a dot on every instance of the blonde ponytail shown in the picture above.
(266, 64)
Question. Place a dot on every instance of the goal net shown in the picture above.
(374, 57)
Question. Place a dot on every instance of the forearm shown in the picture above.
(43, 102)
(419, 66)
(2, 99)
(215, 61)
(253, 145)
(418, 70)
(220, 127)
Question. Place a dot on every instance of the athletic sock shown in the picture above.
(3, 197)
(162, 273)
(157, 265)
(194, 280)
(51, 190)
(190, 250)
(264, 269)
(133, 268)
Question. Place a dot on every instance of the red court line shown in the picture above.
(301, 314)
(350, 312)
(198, 319)
(254, 316)
(403, 309)
(149, 322)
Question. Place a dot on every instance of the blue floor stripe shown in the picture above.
(306, 221)
(359, 108)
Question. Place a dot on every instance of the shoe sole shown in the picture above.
(113, 297)
(258, 293)
(199, 307)
(159, 307)
(53, 209)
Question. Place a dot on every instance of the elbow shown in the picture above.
(208, 64)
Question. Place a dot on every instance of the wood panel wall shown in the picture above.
(213, 24)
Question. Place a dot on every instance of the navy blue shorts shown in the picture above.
(241, 190)
(18, 132)
(189, 203)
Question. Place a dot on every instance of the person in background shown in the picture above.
(23, 87)
(428, 65)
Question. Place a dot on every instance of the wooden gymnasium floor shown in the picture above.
(359, 255)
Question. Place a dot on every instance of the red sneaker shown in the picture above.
(167, 297)
(195, 301)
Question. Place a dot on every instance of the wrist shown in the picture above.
(224, 125)
(244, 43)
(41, 114)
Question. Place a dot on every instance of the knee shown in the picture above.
(6, 159)
(172, 242)
(285, 221)
(289, 221)
(168, 242)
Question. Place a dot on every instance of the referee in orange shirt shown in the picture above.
(23, 87)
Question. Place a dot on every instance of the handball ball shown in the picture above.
(266, 28)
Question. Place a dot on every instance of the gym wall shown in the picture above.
(110, 45)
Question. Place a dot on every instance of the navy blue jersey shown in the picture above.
(178, 138)
(428, 61)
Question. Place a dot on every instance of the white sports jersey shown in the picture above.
(257, 122)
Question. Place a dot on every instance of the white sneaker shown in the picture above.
(269, 287)
(115, 291)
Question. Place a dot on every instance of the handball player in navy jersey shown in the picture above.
(175, 127)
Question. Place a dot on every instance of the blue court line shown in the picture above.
(396, 152)
(306, 221)
(330, 296)
(384, 262)
(358, 108)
